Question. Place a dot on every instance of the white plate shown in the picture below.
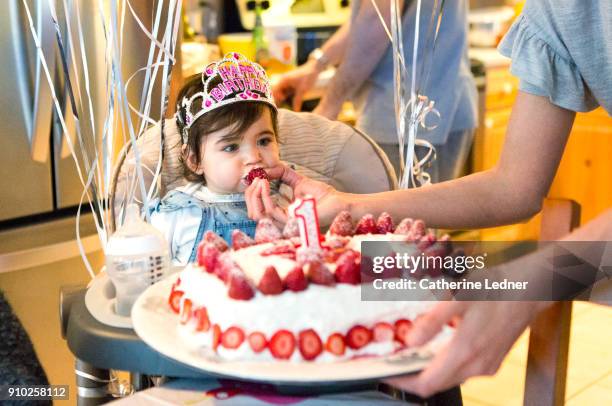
(157, 325)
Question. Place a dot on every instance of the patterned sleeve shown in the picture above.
(543, 66)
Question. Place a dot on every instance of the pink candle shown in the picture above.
(305, 211)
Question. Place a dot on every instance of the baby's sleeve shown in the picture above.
(543, 66)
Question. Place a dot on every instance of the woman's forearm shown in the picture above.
(478, 200)
(335, 46)
(512, 191)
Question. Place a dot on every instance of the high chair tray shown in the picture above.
(109, 347)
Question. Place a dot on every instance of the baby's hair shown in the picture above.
(239, 116)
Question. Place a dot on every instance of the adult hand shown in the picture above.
(485, 333)
(296, 83)
(329, 200)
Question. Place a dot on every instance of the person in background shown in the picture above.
(364, 58)
(559, 76)
(228, 123)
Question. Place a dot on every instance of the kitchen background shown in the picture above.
(40, 189)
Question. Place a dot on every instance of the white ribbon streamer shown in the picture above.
(93, 152)
(411, 108)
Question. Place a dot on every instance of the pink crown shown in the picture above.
(240, 80)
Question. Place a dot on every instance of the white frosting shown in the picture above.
(254, 264)
(326, 309)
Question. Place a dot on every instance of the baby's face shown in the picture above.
(226, 161)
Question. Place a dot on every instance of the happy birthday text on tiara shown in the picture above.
(239, 78)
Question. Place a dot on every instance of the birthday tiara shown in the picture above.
(236, 78)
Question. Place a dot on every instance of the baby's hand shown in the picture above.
(260, 203)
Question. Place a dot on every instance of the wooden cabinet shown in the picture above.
(585, 172)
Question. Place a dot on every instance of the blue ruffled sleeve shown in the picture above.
(544, 66)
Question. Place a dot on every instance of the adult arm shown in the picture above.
(366, 45)
(511, 191)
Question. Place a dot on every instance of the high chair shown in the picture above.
(325, 150)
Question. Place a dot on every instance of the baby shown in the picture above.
(228, 124)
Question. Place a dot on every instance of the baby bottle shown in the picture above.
(136, 257)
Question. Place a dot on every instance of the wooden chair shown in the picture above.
(549, 336)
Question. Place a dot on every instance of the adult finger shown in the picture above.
(428, 325)
(298, 95)
(285, 174)
(440, 374)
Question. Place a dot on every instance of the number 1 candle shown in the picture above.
(305, 211)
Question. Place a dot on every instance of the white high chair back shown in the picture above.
(326, 150)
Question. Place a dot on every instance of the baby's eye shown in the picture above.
(265, 141)
(230, 148)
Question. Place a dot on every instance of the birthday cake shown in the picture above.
(273, 298)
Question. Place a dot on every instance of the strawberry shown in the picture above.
(282, 344)
(256, 173)
(404, 226)
(310, 344)
(175, 300)
(216, 336)
(358, 336)
(441, 248)
(241, 240)
(295, 280)
(257, 341)
(239, 286)
(426, 241)
(342, 224)
(225, 266)
(332, 255)
(366, 225)
(202, 321)
(384, 224)
(208, 255)
(186, 311)
(418, 230)
(213, 238)
(317, 272)
(270, 283)
(337, 242)
(291, 229)
(383, 332)
(283, 248)
(266, 231)
(348, 268)
(232, 338)
(335, 344)
(402, 328)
